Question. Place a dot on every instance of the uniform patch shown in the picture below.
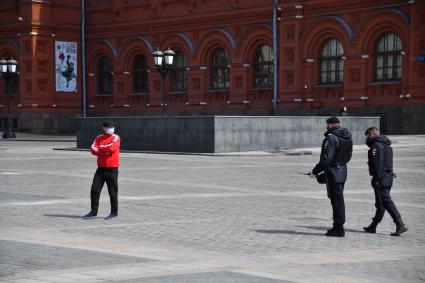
(325, 144)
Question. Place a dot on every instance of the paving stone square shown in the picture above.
(203, 219)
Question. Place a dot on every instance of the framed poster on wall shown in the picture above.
(66, 66)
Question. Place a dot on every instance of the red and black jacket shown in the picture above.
(107, 149)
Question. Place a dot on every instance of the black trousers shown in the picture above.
(336, 194)
(110, 176)
(384, 202)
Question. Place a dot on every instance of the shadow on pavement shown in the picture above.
(63, 215)
(321, 228)
(288, 232)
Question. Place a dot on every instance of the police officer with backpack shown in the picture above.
(337, 148)
(380, 161)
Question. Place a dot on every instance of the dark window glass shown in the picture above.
(179, 73)
(263, 67)
(104, 76)
(220, 69)
(140, 74)
(388, 58)
(331, 63)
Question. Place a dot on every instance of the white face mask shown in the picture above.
(109, 131)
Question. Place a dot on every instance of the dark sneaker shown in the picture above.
(371, 228)
(336, 232)
(111, 216)
(90, 215)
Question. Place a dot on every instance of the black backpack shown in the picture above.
(344, 152)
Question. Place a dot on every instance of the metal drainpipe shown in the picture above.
(275, 59)
(83, 58)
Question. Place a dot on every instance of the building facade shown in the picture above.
(365, 55)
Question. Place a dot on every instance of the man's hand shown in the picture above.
(311, 175)
(94, 150)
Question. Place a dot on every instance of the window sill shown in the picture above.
(221, 90)
(11, 94)
(177, 92)
(329, 85)
(104, 95)
(139, 94)
(262, 89)
(395, 82)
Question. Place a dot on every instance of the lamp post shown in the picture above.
(7, 67)
(163, 62)
(276, 16)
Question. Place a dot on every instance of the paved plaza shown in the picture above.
(202, 219)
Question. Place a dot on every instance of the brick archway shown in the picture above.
(314, 37)
(95, 53)
(98, 50)
(376, 26)
(133, 48)
(181, 43)
(251, 39)
(248, 53)
(208, 43)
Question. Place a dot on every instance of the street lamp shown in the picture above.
(6, 68)
(276, 16)
(163, 62)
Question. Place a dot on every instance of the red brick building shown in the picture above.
(365, 55)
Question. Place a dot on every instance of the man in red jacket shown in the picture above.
(107, 149)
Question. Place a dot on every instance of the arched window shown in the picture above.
(104, 76)
(388, 58)
(140, 74)
(331, 62)
(263, 67)
(179, 73)
(220, 69)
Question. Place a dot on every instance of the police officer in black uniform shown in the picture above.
(380, 161)
(337, 148)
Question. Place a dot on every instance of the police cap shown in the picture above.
(370, 130)
(333, 120)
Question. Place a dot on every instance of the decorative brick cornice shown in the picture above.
(186, 23)
(334, 7)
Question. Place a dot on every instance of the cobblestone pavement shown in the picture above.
(202, 219)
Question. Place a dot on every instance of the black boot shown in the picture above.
(336, 231)
(90, 215)
(401, 227)
(372, 227)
